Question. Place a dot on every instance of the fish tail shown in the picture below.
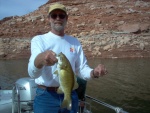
(66, 104)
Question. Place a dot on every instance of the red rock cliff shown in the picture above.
(106, 28)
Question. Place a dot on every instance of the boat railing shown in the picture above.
(84, 107)
(116, 109)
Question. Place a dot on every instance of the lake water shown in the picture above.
(127, 85)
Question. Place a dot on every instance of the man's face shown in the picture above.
(58, 20)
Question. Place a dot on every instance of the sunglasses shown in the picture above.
(61, 16)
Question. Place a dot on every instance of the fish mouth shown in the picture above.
(59, 60)
(57, 57)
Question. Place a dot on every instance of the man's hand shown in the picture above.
(47, 58)
(100, 70)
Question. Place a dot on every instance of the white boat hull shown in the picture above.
(5, 101)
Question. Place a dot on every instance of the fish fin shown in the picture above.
(66, 104)
(75, 83)
(59, 91)
(56, 72)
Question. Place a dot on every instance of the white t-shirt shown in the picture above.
(69, 46)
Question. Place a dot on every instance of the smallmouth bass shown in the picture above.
(67, 80)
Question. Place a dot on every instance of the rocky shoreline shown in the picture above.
(104, 45)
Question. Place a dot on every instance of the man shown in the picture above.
(42, 63)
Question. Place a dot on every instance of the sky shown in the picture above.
(18, 7)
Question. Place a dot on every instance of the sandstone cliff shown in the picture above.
(106, 28)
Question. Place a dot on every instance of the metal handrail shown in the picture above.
(117, 109)
(18, 96)
(13, 99)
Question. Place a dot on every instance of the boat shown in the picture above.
(20, 99)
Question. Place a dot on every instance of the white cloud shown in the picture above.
(18, 7)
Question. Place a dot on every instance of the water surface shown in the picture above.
(127, 85)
